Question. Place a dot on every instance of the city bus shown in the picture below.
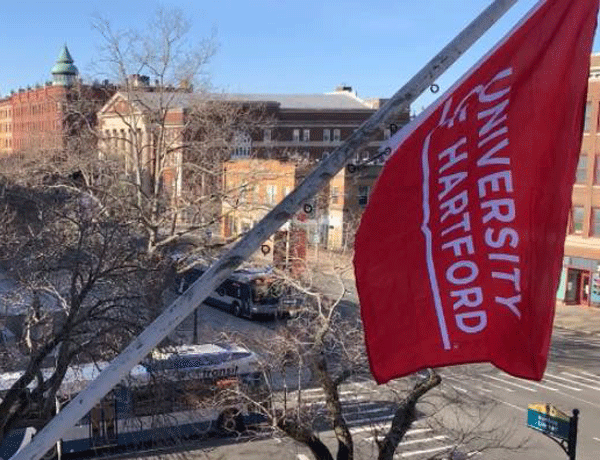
(247, 292)
(183, 393)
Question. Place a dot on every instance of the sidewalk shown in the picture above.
(577, 318)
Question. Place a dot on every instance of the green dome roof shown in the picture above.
(64, 64)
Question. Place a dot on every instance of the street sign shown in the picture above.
(549, 420)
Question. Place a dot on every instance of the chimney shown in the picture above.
(139, 81)
(343, 88)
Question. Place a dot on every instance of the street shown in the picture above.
(499, 401)
(571, 381)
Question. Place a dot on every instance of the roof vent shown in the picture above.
(343, 88)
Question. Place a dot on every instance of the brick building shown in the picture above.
(290, 135)
(5, 126)
(300, 130)
(42, 117)
(256, 186)
(37, 118)
(580, 280)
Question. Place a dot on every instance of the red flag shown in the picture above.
(460, 248)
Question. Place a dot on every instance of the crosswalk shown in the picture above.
(368, 416)
(560, 381)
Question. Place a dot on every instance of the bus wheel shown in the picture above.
(231, 421)
(237, 310)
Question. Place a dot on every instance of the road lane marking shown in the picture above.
(311, 390)
(581, 400)
(303, 457)
(596, 439)
(519, 408)
(487, 383)
(585, 379)
(369, 428)
(510, 390)
(487, 390)
(535, 383)
(585, 385)
(426, 451)
(597, 377)
(412, 441)
(387, 427)
(561, 384)
(533, 390)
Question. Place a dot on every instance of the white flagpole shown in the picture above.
(220, 270)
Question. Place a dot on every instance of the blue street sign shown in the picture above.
(549, 420)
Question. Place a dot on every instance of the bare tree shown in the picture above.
(85, 288)
(323, 346)
(168, 134)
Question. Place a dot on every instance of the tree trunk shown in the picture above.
(304, 435)
(334, 406)
(405, 416)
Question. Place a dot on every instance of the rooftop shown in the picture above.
(338, 100)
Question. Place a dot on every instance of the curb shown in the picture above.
(575, 329)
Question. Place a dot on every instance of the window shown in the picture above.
(267, 135)
(577, 214)
(242, 145)
(595, 230)
(580, 177)
(326, 135)
(243, 194)
(387, 133)
(597, 171)
(296, 135)
(271, 193)
(306, 135)
(588, 117)
(336, 135)
(363, 195)
(335, 193)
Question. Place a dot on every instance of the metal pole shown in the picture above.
(573, 435)
(220, 270)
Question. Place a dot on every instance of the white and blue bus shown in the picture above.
(247, 292)
(185, 393)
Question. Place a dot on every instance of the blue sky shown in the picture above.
(275, 46)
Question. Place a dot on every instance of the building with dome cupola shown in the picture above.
(40, 117)
(64, 71)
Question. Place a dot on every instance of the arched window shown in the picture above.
(242, 145)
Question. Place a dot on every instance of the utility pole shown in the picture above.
(285, 210)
